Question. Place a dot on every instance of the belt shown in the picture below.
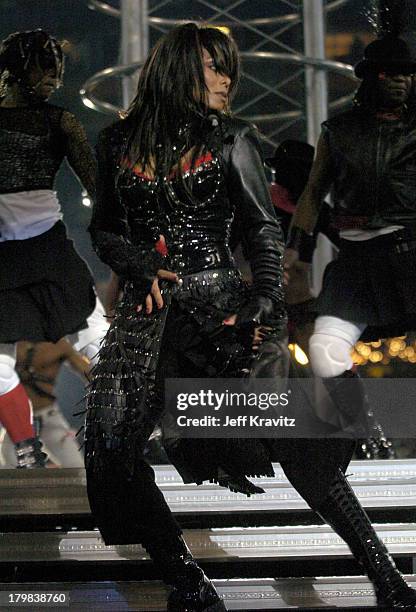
(399, 241)
(205, 277)
(208, 257)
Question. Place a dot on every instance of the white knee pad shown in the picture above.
(329, 355)
(8, 376)
(331, 344)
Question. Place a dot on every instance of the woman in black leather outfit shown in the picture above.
(172, 176)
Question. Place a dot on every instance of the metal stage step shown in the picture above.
(232, 552)
(32, 500)
(349, 593)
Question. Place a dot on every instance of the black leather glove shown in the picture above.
(254, 312)
(128, 261)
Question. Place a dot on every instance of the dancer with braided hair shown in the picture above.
(46, 289)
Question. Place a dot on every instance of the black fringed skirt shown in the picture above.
(186, 339)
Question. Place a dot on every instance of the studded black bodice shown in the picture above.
(194, 214)
(194, 227)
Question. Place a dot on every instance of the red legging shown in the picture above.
(16, 414)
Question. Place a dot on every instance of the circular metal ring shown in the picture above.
(108, 9)
(89, 87)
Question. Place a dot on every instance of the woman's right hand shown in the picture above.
(155, 291)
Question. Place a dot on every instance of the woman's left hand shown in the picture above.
(258, 335)
(155, 294)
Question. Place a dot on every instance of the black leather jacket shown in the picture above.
(374, 168)
(132, 211)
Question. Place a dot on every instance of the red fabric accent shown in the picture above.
(161, 247)
(16, 414)
(281, 198)
(387, 116)
(198, 162)
(126, 162)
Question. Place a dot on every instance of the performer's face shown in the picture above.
(394, 89)
(43, 82)
(218, 84)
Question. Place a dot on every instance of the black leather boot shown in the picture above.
(343, 512)
(375, 447)
(357, 417)
(348, 394)
(240, 484)
(191, 591)
(29, 453)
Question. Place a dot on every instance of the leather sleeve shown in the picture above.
(261, 234)
(108, 228)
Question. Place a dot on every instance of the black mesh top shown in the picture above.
(33, 142)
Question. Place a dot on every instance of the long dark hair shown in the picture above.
(171, 94)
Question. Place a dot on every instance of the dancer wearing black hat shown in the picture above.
(291, 166)
(368, 157)
(46, 289)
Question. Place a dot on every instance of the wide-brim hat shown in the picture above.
(291, 153)
(292, 162)
(391, 53)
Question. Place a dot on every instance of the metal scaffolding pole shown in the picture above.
(316, 79)
(316, 87)
(134, 40)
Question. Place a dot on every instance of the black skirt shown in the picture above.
(371, 282)
(46, 289)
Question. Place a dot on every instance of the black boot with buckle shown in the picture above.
(343, 512)
(29, 453)
(191, 591)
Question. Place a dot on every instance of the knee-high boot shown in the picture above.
(343, 512)
(191, 591)
(356, 415)
(348, 395)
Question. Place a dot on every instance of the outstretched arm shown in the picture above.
(78, 151)
(312, 198)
